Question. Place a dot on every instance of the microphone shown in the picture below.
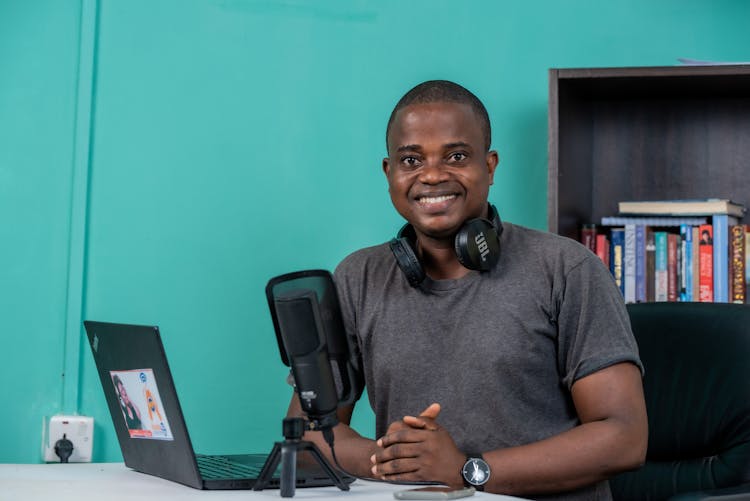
(301, 332)
(312, 341)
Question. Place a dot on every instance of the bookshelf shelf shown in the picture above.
(649, 133)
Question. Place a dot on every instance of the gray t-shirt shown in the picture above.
(498, 350)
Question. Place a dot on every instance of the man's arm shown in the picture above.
(611, 438)
(353, 451)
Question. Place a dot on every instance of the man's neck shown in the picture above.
(439, 260)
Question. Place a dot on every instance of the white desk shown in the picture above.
(115, 482)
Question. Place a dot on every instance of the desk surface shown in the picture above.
(115, 482)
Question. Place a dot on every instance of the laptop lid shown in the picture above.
(149, 423)
(142, 401)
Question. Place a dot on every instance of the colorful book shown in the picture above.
(738, 286)
(660, 266)
(696, 263)
(628, 264)
(602, 248)
(640, 263)
(703, 207)
(659, 221)
(617, 246)
(673, 264)
(721, 224)
(686, 268)
(650, 265)
(706, 257)
(588, 236)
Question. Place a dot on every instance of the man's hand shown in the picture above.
(418, 449)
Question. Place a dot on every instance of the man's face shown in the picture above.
(438, 169)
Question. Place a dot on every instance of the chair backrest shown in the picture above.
(697, 389)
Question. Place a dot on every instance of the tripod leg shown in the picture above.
(266, 473)
(332, 474)
(288, 469)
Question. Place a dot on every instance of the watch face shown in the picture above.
(476, 471)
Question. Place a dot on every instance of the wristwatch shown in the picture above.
(475, 471)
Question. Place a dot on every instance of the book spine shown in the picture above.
(628, 264)
(602, 248)
(650, 265)
(640, 263)
(617, 244)
(588, 236)
(672, 266)
(686, 234)
(738, 286)
(695, 275)
(660, 266)
(706, 257)
(721, 258)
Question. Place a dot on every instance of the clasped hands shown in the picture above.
(417, 448)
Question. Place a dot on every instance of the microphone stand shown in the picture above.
(286, 453)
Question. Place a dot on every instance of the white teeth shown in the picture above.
(436, 200)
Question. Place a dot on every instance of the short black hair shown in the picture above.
(444, 91)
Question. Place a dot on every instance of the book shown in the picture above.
(721, 224)
(686, 268)
(588, 236)
(628, 264)
(650, 265)
(695, 264)
(706, 257)
(673, 243)
(663, 221)
(640, 263)
(617, 245)
(703, 207)
(738, 286)
(602, 248)
(660, 266)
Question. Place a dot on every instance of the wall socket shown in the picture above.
(78, 429)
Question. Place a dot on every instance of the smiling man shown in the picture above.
(493, 355)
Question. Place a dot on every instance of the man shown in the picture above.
(522, 379)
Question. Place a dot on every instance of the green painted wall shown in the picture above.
(160, 160)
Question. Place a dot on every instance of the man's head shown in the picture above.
(444, 91)
(438, 167)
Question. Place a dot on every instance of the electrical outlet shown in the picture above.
(78, 429)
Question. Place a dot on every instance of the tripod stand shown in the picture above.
(286, 453)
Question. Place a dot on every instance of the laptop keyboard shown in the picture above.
(218, 467)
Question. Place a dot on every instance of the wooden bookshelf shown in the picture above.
(645, 134)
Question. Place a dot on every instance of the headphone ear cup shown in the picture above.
(406, 258)
(477, 245)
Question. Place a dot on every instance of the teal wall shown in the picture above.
(160, 160)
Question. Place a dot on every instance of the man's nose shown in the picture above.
(432, 172)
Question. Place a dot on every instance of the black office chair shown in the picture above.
(697, 388)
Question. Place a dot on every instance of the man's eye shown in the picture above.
(410, 161)
(458, 157)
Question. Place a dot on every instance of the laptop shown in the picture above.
(149, 423)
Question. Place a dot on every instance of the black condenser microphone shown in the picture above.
(302, 335)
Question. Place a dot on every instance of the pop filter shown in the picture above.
(310, 333)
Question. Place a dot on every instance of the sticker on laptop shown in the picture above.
(140, 404)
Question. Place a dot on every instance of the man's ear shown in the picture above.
(386, 166)
(492, 160)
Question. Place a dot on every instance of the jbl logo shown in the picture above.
(482, 245)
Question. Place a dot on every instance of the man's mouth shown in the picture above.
(436, 199)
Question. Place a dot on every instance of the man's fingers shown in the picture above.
(431, 412)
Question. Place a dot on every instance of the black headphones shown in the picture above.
(477, 246)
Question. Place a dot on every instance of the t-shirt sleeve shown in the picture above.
(593, 324)
(348, 296)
